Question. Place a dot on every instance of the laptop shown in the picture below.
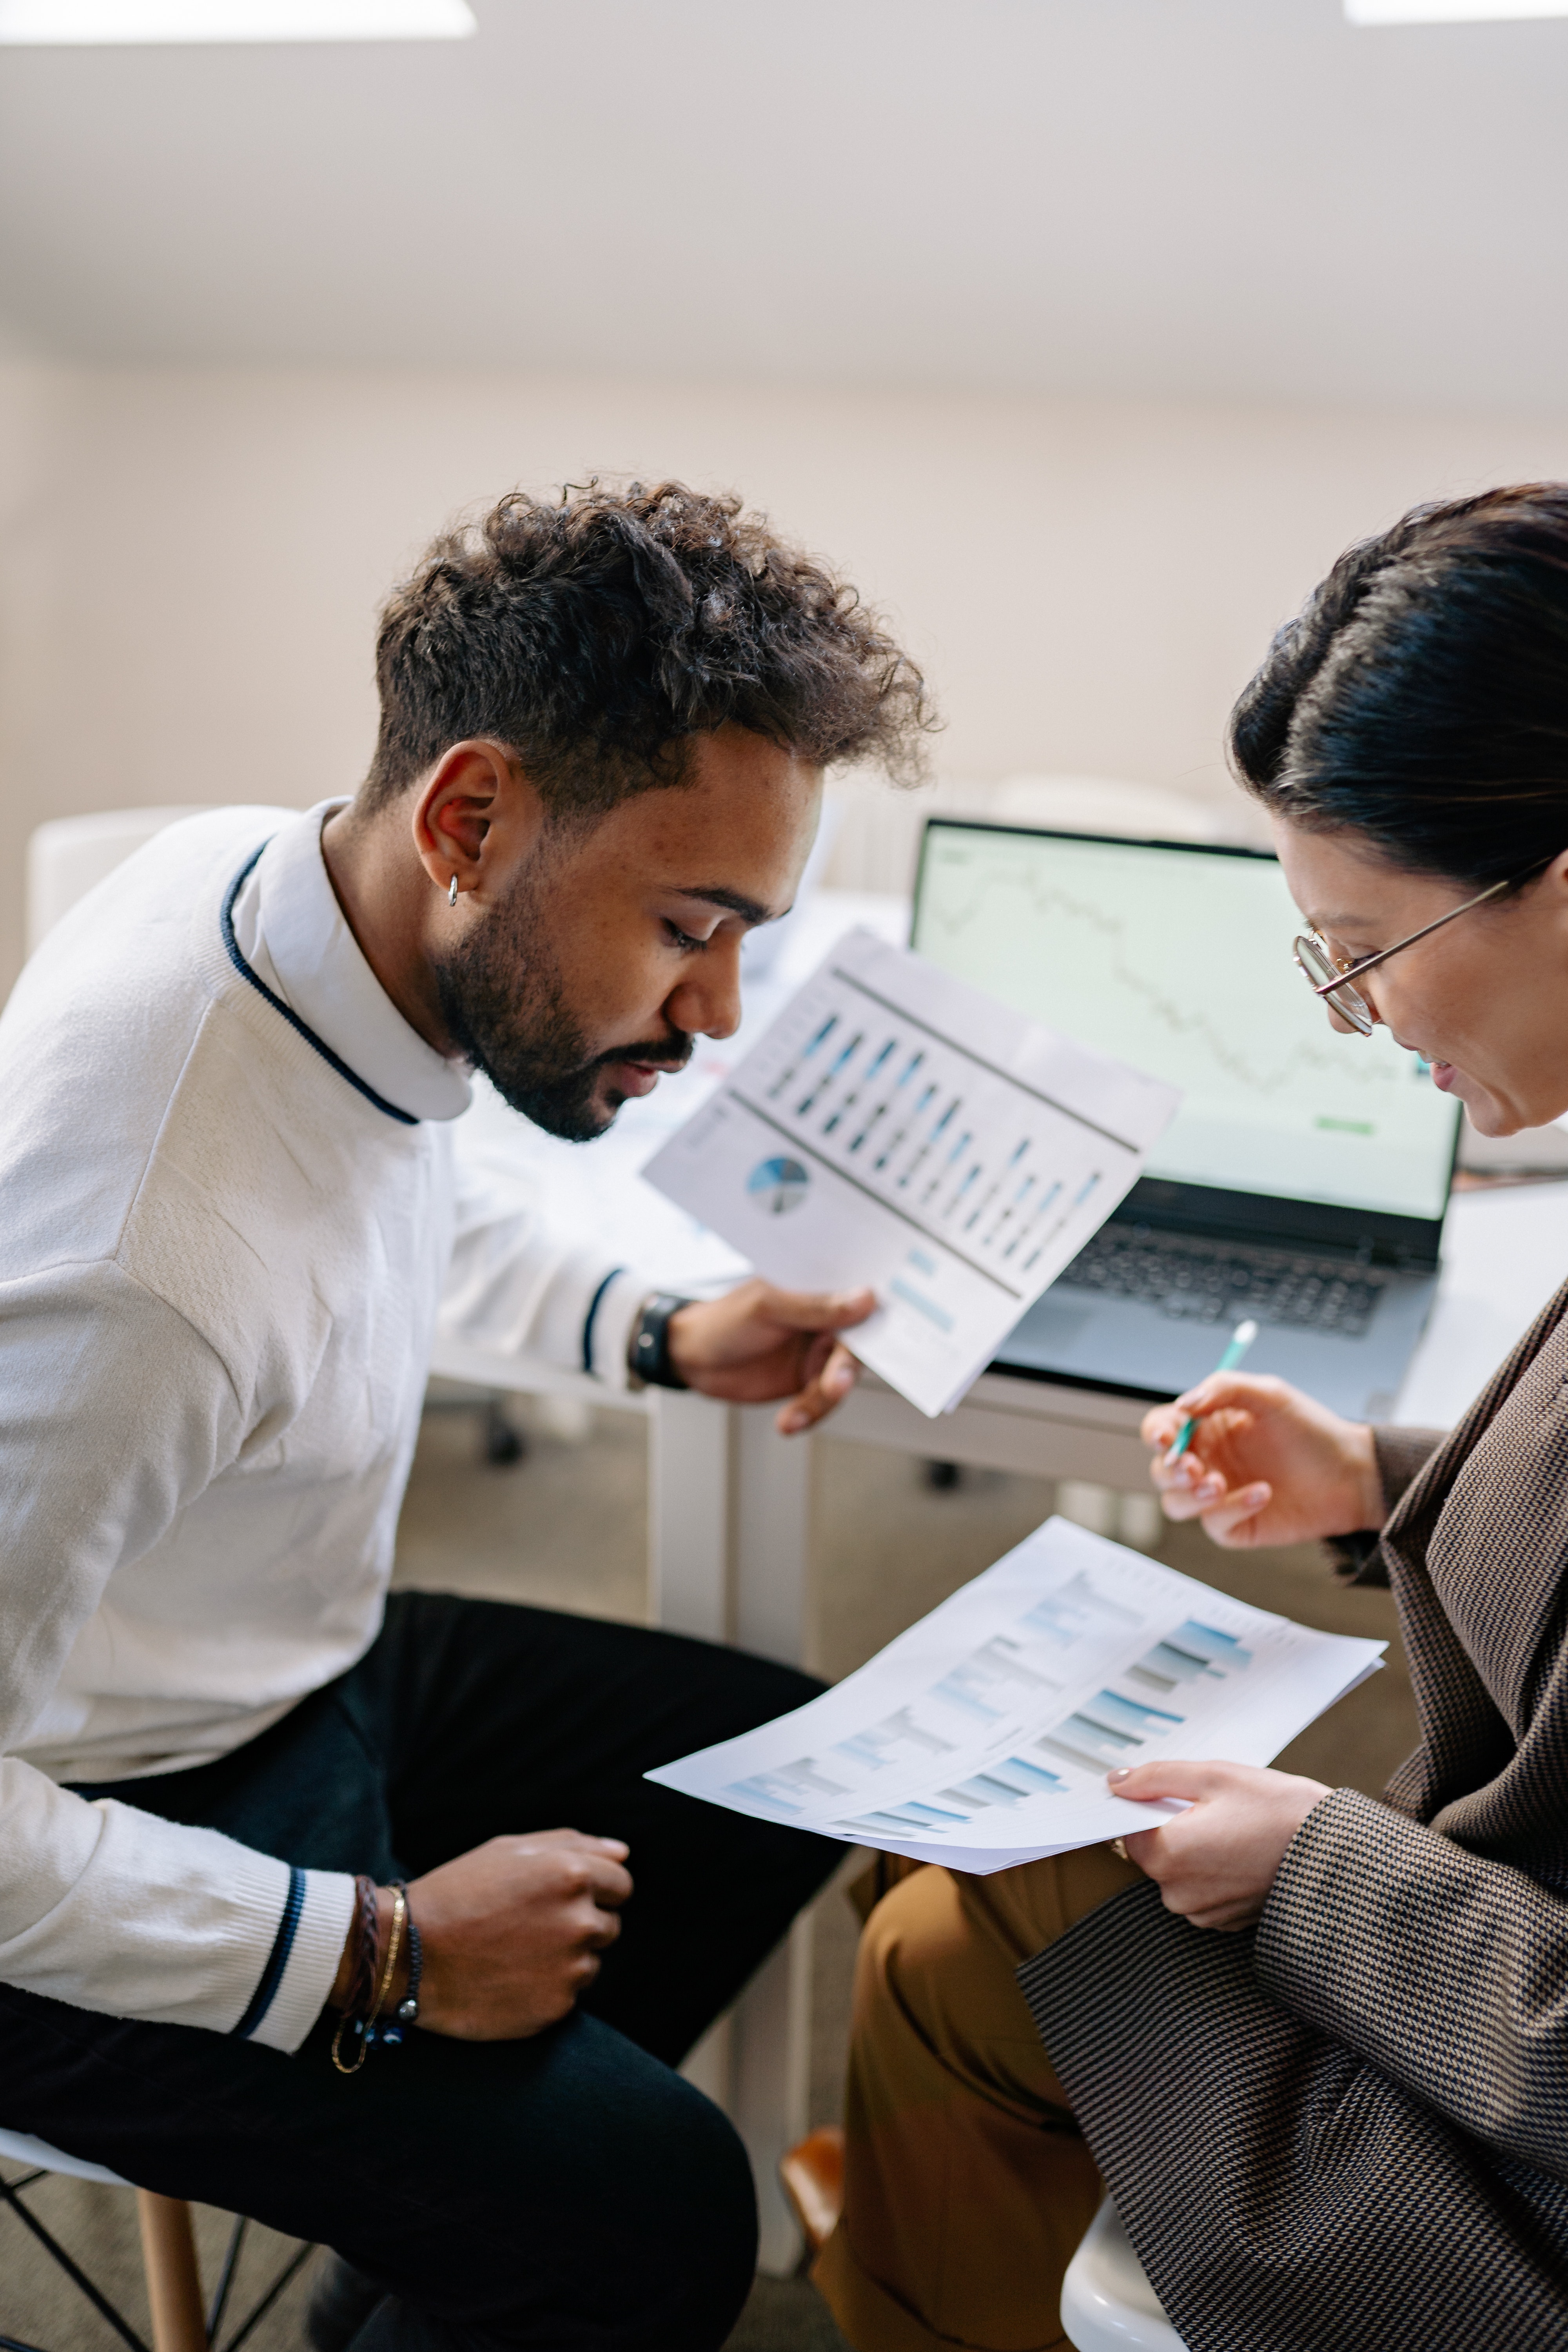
(1304, 1180)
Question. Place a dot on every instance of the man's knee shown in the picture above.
(706, 2202)
(672, 2231)
(676, 2194)
(611, 2212)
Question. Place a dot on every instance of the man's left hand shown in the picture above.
(1216, 1863)
(758, 1343)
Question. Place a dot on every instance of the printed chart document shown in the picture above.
(981, 1737)
(896, 1128)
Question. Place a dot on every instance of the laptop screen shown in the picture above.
(1177, 958)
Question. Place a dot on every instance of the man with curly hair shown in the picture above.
(288, 1922)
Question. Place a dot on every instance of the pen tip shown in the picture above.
(1245, 1334)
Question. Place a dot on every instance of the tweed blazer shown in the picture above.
(1349, 2127)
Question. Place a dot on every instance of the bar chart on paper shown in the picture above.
(981, 1737)
(896, 1129)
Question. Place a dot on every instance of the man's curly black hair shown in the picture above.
(597, 633)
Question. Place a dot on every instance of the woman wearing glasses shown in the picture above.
(1318, 2045)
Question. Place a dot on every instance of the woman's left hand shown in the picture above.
(1214, 1863)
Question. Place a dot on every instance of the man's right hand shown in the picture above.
(511, 1932)
(1266, 1464)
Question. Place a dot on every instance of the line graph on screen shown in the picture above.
(1194, 1018)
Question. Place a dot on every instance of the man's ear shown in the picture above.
(476, 817)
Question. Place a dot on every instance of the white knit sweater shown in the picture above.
(229, 1223)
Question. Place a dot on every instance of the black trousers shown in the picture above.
(567, 2191)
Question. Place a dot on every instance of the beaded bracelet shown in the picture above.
(408, 2011)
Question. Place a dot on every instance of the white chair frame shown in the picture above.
(1108, 2304)
(180, 2323)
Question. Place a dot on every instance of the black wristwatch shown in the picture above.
(647, 1357)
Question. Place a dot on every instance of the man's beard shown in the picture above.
(505, 1009)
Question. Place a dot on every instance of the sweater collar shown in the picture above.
(291, 930)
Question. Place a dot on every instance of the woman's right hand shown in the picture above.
(1266, 1464)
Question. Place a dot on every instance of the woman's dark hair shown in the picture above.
(597, 633)
(1421, 697)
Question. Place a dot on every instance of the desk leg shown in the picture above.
(691, 1443)
(773, 1540)
(728, 1536)
(729, 1525)
(771, 2047)
(770, 2084)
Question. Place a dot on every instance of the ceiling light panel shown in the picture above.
(1450, 11)
(82, 24)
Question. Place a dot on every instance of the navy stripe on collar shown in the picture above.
(405, 1116)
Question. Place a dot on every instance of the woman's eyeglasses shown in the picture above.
(1335, 982)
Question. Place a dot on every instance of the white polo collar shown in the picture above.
(290, 929)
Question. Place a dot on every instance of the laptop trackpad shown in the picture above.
(1054, 1328)
(1128, 1343)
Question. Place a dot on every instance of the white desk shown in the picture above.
(730, 1500)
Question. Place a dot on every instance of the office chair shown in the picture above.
(1108, 2304)
(168, 2257)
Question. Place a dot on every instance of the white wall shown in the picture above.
(190, 560)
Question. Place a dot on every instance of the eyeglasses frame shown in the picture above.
(1348, 979)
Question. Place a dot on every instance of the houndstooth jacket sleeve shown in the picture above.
(1401, 1454)
(1447, 1970)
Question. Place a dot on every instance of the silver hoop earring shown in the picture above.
(452, 892)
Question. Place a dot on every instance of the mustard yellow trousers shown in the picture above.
(966, 2187)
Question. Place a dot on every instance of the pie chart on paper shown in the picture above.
(777, 1186)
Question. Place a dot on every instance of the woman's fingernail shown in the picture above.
(1119, 1774)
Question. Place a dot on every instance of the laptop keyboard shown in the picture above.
(1221, 1282)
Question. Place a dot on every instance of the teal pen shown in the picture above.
(1241, 1339)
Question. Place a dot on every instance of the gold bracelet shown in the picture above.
(365, 2027)
(399, 1914)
